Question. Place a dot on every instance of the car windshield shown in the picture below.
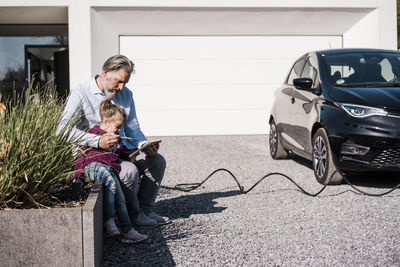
(363, 69)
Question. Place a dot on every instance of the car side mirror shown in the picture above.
(302, 83)
(306, 84)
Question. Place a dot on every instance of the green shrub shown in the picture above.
(32, 156)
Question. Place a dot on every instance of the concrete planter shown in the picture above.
(54, 237)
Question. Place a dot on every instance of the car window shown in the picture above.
(340, 71)
(310, 70)
(387, 70)
(296, 70)
(360, 69)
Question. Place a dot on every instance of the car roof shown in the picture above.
(353, 50)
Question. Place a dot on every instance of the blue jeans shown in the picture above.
(141, 181)
(113, 196)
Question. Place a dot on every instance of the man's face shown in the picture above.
(115, 81)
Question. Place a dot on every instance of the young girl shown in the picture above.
(102, 165)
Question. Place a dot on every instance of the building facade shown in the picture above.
(202, 67)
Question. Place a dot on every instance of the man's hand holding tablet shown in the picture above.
(150, 148)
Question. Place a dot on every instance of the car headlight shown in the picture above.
(359, 111)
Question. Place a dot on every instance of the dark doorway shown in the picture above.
(36, 46)
(48, 65)
(61, 67)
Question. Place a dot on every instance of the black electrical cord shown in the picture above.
(187, 187)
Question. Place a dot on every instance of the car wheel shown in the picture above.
(322, 159)
(275, 146)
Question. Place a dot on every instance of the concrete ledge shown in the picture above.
(92, 227)
(54, 237)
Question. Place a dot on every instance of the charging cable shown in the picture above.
(187, 187)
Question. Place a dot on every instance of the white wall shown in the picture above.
(359, 23)
(250, 21)
(365, 32)
(80, 43)
(90, 43)
(95, 25)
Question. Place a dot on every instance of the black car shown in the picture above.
(340, 109)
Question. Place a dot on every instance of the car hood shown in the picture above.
(384, 97)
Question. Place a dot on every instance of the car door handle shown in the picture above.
(292, 100)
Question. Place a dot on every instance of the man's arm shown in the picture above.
(73, 122)
(132, 129)
(139, 140)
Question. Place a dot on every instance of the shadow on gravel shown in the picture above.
(368, 179)
(376, 180)
(188, 204)
(300, 160)
(155, 251)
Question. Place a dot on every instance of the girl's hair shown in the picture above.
(110, 111)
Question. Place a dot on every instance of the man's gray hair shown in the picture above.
(118, 62)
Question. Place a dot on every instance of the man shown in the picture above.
(84, 102)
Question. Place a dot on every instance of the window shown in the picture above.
(387, 70)
(363, 69)
(296, 70)
(340, 71)
(43, 57)
(310, 70)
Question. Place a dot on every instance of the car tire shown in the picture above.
(322, 162)
(275, 146)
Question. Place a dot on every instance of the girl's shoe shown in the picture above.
(111, 228)
(132, 237)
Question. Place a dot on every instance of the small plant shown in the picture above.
(32, 156)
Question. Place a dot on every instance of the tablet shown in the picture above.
(144, 147)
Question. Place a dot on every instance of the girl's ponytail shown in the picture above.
(109, 111)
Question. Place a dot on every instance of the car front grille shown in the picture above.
(388, 157)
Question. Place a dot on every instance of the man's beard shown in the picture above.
(110, 92)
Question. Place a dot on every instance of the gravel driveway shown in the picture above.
(273, 225)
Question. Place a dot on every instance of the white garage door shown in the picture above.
(211, 85)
